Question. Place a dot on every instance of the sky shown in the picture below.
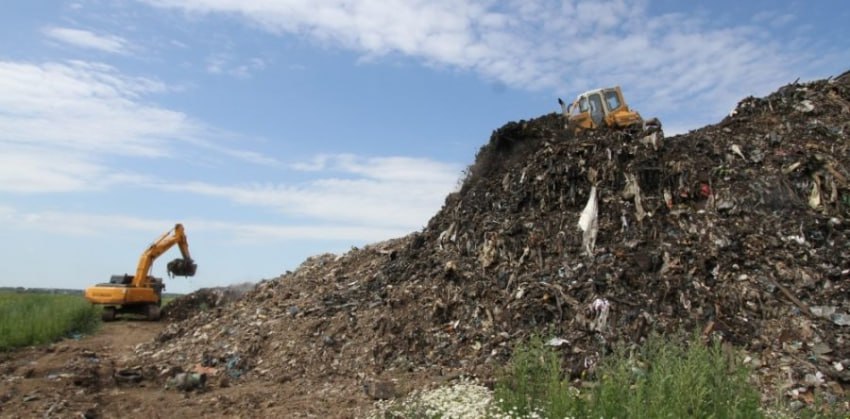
(277, 130)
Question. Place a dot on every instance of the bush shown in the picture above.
(31, 319)
(659, 380)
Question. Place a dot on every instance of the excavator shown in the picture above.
(606, 107)
(142, 293)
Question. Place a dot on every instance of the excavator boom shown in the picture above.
(179, 267)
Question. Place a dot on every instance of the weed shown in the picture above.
(661, 379)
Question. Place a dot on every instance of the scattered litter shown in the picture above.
(187, 381)
(127, 376)
(556, 342)
(840, 319)
(805, 106)
(587, 222)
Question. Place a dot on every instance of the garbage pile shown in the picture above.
(738, 230)
(188, 305)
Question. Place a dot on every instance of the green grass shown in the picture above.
(659, 380)
(167, 299)
(532, 384)
(32, 319)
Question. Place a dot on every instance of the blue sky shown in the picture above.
(276, 130)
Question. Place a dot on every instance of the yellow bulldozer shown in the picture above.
(142, 293)
(606, 107)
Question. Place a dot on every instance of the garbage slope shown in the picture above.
(738, 229)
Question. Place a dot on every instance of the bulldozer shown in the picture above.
(142, 293)
(606, 108)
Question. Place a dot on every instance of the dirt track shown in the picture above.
(74, 379)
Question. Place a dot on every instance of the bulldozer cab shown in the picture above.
(599, 108)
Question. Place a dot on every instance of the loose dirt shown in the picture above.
(76, 379)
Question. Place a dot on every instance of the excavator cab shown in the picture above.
(604, 107)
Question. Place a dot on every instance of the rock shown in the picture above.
(187, 381)
(840, 319)
(380, 390)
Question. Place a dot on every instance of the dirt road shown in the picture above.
(75, 379)
(65, 379)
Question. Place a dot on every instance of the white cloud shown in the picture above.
(59, 120)
(392, 168)
(256, 232)
(80, 224)
(37, 170)
(90, 40)
(396, 193)
(92, 225)
(683, 65)
(6, 213)
(226, 64)
(86, 107)
(773, 18)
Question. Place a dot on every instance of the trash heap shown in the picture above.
(188, 305)
(738, 230)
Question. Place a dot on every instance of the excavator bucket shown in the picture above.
(182, 267)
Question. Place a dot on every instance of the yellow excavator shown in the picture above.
(142, 293)
(606, 107)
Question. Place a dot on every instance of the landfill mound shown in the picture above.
(738, 230)
(188, 305)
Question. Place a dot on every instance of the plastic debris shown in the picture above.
(556, 342)
(187, 381)
(841, 319)
(805, 106)
(587, 222)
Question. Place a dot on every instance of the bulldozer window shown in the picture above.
(612, 100)
(596, 111)
(583, 105)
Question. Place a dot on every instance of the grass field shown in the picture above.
(168, 298)
(36, 318)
